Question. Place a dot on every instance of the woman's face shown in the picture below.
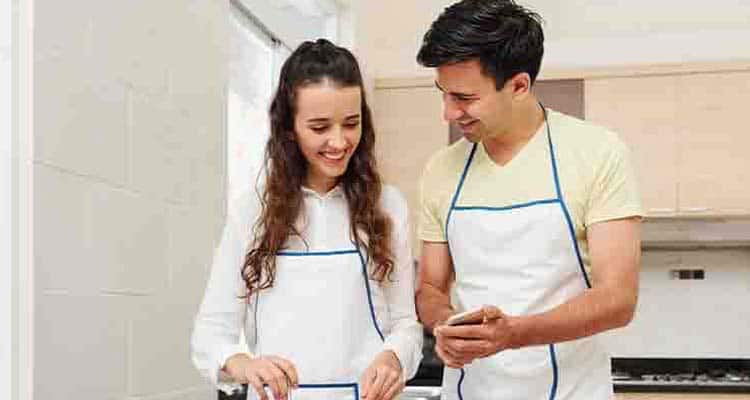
(328, 129)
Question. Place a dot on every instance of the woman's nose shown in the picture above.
(336, 138)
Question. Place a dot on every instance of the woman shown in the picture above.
(318, 269)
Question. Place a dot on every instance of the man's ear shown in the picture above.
(520, 84)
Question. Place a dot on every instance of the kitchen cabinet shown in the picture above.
(642, 110)
(714, 164)
(684, 125)
(409, 129)
(687, 135)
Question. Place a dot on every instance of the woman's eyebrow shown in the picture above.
(314, 120)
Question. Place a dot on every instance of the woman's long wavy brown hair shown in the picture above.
(286, 170)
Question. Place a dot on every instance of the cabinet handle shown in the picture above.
(661, 210)
(695, 209)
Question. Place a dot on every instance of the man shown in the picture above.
(533, 218)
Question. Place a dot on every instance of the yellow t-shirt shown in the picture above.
(596, 178)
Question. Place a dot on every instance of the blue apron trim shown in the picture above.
(316, 253)
(555, 375)
(324, 254)
(447, 222)
(569, 220)
(369, 296)
(522, 205)
(458, 191)
(460, 381)
(354, 386)
(322, 386)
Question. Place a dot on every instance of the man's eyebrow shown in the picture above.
(455, 94)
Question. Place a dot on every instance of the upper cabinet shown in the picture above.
(714, 145)
(684, 124)
(642, 110)
(687, 135)
(409, 129)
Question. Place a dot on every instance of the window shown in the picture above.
(261, 34)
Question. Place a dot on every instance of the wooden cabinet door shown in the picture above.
(642, 110)
(409, 129)
(714, 143)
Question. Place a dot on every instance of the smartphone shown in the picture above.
(470, 317)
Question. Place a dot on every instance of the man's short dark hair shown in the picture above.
(505, 37)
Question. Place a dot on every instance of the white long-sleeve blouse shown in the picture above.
(324, 225)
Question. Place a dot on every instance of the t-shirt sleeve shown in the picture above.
(431, 220)
(614, 191)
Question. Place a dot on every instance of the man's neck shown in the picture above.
(526, 122)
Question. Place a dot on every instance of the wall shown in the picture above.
(578, 32)
(6, 274)
(128, 117)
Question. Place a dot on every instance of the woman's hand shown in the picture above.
(383, 379)
(279, 374)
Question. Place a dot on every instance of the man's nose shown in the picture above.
(451, 110)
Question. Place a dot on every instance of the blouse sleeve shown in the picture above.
(218, 325)
(406, 336)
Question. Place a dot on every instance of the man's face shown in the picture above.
(471, 101)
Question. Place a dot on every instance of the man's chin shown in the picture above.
(472, 137)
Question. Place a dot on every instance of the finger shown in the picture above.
(392, 382)
(282, 381)
(492, 312)
(257, 384)
(288, 368)
(468, 348)
(367, 379)
(458, 347)
(394, 390)
(477, 331)
(376, 389)
(456, 354)
(239, 376)
(447, 359)
(274, 378)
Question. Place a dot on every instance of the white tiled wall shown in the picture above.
(6, 276)
(128, 192)
(705, 318)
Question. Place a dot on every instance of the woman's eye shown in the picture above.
(319, 129)
(351, 125)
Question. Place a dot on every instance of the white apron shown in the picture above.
(319, 315)
(523, 258)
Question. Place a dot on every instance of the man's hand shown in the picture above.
(460, 345)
